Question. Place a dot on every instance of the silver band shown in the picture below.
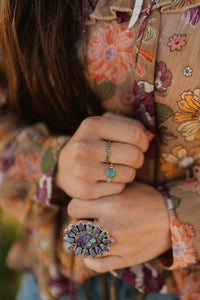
(107, 151)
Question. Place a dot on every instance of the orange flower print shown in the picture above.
(111, 54)
(187, 285)
(25, 166)
(189, 229)
(176, 42)
(175, 163)
(184, 253)
(127, 98)
(189, 116)
(178, 4)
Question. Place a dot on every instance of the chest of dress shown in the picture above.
(154, 78)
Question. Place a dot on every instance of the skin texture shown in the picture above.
(81, 164)
(134, 213)
(136, 219)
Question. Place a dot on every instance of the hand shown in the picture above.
(137, 220)
(81, 164)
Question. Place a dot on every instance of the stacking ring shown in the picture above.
(87, 239)
(107, 151)
(110, 172)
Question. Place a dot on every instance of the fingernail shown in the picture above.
(149, 135)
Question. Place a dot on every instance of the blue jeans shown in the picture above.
(29, 291)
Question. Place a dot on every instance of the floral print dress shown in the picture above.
(149, 72)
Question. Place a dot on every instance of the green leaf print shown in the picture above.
(150, 34)
(48, 162)
(163, 112)
(96, 13)
(104, 90)
(176, 201)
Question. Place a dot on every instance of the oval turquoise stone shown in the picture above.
(110, 173)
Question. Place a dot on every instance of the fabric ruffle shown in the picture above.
(106, 10)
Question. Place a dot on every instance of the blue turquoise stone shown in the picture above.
(71, 234)
(104, 247)
(78, 251)
(72, 246)
(74, 228)
(85, 253)
(103, 234)
(110, 173)
(96, 230)
(89, 227)
(68, 239)
(92, 253)
(81, 226)
(98, 251)
(67, 231)
(86, 241)
(108, 242)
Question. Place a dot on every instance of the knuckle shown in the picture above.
(89, 123)
(79, 150)
(140, 161)
(134, 133)
(135, 157)
(130, 173)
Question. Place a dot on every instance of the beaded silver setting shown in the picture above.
(87, 239)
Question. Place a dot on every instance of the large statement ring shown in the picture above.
(87, 239)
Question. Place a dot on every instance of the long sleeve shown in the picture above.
(28, 157)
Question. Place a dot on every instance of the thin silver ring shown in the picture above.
(107, 152)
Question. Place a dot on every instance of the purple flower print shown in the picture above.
(152, 284)
(192, 16)
(8, 158)
(122, 17)
(143, 277)
(89, 7)
(62, 286)
(143, 104)
(128, 276)
(44, 188)
(163, 79)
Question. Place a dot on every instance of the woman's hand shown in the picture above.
(81, 164)
(136, 219)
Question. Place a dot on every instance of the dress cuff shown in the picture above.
(47, 163)
(183, 252)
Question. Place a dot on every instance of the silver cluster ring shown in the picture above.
(87, 239)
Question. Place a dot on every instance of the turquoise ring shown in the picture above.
(110, 173)
(87, 239)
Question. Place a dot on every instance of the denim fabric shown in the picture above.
(29, 291)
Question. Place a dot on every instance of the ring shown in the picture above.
(87, 239)
(107, 151)
(110, 173)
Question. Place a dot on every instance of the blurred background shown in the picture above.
(9, 279)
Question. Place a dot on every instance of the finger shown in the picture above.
(123, 118)
(124, 174)
(82, 208)
(115, 130)
(148, 133)
(123, 154)
(105, 263)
